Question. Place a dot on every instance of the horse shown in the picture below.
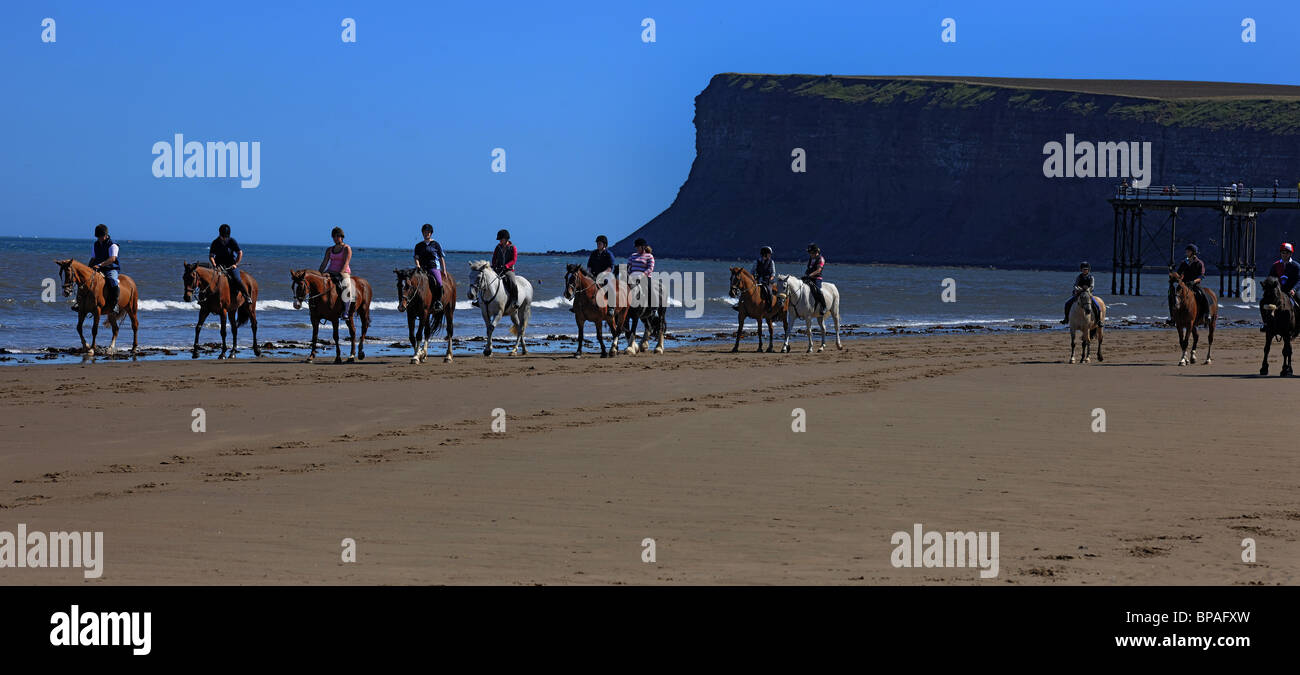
(1281, 321)
(1186, 316)
(212, 289)
(325, 302)
(751, 304)
(646, 302)
(415, 297)
(801, 304)
(90, 294)
(1084, 320)
(490, 290)
(589, 305)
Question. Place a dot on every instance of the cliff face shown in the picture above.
(929, 171)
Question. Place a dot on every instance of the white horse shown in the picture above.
(802, 305)
(1087, 321)
(490, 290)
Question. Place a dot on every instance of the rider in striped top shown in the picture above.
(641, 262)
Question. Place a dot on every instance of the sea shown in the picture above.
(876, 301)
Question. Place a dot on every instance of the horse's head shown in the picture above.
(1272, 299)
(298, 281)
(736, 276)
(406, 287)
(66, 276)
(190, 281)
(783, 283)
(478, 271)
(1083, 299)
(572, 274)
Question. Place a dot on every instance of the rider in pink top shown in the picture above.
(337, 263)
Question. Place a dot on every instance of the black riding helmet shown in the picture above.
(1193, 249)
(812, 248)
(639, 242)
(503, 234)
(766, 250)
(1084, 266)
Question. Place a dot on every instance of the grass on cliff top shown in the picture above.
(1266, 112)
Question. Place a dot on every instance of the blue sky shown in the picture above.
(397, 129)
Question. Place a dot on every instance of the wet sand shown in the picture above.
(693, 448)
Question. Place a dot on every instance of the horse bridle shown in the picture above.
(479, 274)
(308, 298)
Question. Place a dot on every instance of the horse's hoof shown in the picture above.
(361, 356)
(1071, 361)
(659, 350)
(1183, 362)
(821, 349)
(446, 359)
(1263, 371)
(1207, 362)
(736, 349)
(577, 356)
(415, 359)
(194, 354)
(1099, 358)
(338, 359)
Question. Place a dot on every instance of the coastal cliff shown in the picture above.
(932, 171)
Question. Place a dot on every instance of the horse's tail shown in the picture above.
(436, 325)
(242, 315)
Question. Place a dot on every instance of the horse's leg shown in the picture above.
(786, 347)
(758, 325)
(94, 331)
(581, 327)
(1196, 340)
(490, 327)
(365, 330)
(1182, 344)
(1099, 343)
(81, 322)
(741, 329)
(1073, 338)
(808, 327)
(203, 316)
(252, 322)
(315, 331)
(821, 323)
(234, 332)
(338, 351)
(1268, 345)
(352, 336)
(1286, 355)
(1209, 338)
(222, 312)
(662, 327)
(135, 331)
(415, 339)
(448, 308)
(839, 344)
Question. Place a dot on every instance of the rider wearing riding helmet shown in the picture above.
(429, 258)
(1287, 272)
(1083, 282)
(812, 274)
(504, 257)
(225, 253)
(599, 262)
(1192, 270)
(764, 273)
(106, 261)
(338, 264)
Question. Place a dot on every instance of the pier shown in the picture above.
(1238, 209)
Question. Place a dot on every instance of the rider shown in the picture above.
(504, 257)
(764, 274)
(1083, 282)
(640, 263)
(225, 252)
(813, 276)
(1192, 270)
(105, 260)
(599, 262)
(428, 257)
(1287, 272)
(338, 264)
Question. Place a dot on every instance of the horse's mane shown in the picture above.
(479, 264)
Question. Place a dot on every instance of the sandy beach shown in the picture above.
(693, 449)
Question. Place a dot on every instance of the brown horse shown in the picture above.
(1186, 316)
(589, 304)
(751, 304)
(212, 289)
(415, 297)
(90, 300)
(325, 301)
(1281, 321)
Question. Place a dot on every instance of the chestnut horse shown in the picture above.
(415, 297)
(90, 294)
(744, 287)
(589, 304)
(1186, 316)
(325, 302)
(1281, 321)
(212, 288)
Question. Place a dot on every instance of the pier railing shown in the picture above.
(1200, 195)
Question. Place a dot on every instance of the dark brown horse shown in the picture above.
(1186, 316)
(415, 297)
(212, 289)
(90, 300)
(325, 301)
(589, 304)
(752, 304)
(1281, 321)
